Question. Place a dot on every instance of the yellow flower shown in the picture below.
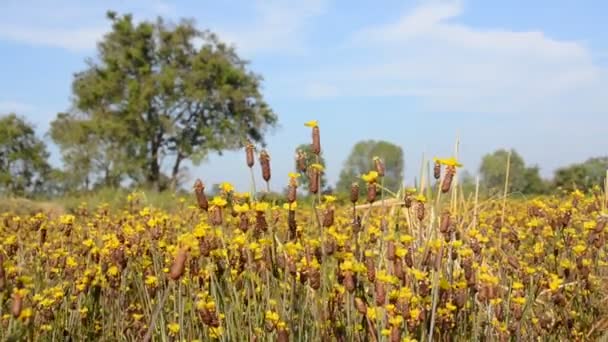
(219, 201)
(448, 161)
(226, 187)
(173, 328)
(294, 175)
(329, 198)
(290, 206)
(241, 208)
(26, 313)
(261, 206)
(151, 281)
(370, 177)
(312, 123)
(317, 167)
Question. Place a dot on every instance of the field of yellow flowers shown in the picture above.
(421, 264)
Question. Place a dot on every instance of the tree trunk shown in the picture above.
(153, 165)
(174, 173)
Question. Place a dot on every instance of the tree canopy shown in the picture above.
(157, 95)
(522, 179)
(361, 161)
(582, 176)
(23, 157)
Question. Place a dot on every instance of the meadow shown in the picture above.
(419, 264)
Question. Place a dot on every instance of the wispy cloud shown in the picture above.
(277, 27)
(449, 66)
(67, 24)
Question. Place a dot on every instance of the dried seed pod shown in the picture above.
(179, 264)
(292, 190)
(265, 164)
(316, 140)
(244, 222)
(315, 278)
(216, 216)
(354, 192)
(249, 153)
(444, 227)
(301, 161)
(328, 217)
(447, 180)
(380, 293)
(372, 192)
(260, 222)
(282, 335)
(395, 334)
(199, 190)
(350, 281)
(398, 269)
(314, 180)
(407, 200)
(437, 170)
(371, 269)
(420, 211)
(379, 165)
(390, 250)
(361, 306)
(17, 305)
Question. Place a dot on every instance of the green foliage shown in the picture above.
(582, 176)
(311, 158)
(157, 94)
(360, 161)
(23, 158)
(522, 179)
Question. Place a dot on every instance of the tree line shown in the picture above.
(159, 94)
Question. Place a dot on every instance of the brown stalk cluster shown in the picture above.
(265, 164)
(179, 264)
(201, 199)
(250, 155)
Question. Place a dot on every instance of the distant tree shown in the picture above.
(522, 179)
(23, 158)
(582, 176)
(158, 94)
(361, 161)
(311, 158)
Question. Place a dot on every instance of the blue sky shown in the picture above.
(532, 75)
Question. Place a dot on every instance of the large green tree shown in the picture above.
(361, 161)
(158, 95)
(583, 175)
(522, 179)
(23, 157)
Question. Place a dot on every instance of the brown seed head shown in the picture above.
(249, 153)
(354, 192)
(314, 180)
(379, 164)
(179, 264)
(301, 161)
(437, 170)
(372, 192)
(265, 164)
(201, 199)
(292, 190)
(17, 305)
(316, 140)
(447, 180)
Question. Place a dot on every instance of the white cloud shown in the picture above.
(277, 27)
(67, 24)
(450, 66)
